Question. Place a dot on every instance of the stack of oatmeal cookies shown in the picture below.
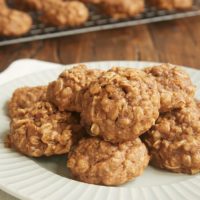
(110, 123)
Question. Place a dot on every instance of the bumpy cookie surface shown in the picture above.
(98, 162)
(43, 130)
(174, 142)
(120, 105)
(25, 98)
(174, 84)
(65, 92)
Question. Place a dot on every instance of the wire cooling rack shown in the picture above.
(99, 22)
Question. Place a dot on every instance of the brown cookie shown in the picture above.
(99, 162)
(120, 105)
(65, 92)
(92, 1)
(64, 13)
(174, 142)
(171, 4)
(174, 84)
(43, 130)
(120, 9)
(14, 22)
(28, 4)
(24, 98)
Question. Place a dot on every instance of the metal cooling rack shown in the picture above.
(99, 22)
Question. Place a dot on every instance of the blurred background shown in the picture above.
(155, 30)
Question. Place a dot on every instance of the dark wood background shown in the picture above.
(176, 42)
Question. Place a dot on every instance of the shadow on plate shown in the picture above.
(55, 164)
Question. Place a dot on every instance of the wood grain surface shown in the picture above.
(177, 42)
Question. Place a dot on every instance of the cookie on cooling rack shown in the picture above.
(65, 92)
(123, 8)
(13, 22)
(174, 84)
(28, 4)
(171, 4)
(120, 105)
(57, 12)
(64, 13)
(96, 161)
(174, 142)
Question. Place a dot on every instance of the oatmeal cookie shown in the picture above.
(174, 84)
(43, 130)
(120, 105)
(25, 97)
(174, 142)
(171, 4)
(14, 22)
(66, 91)
(119, 9)
(99, 162)
(64, 13)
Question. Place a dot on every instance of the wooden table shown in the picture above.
(176, 42)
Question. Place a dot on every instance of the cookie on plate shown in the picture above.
(174, 84)
(174, 142)
(25, 97)
(99, 162)
(43, 130)
(120, 105)
(65, 92)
